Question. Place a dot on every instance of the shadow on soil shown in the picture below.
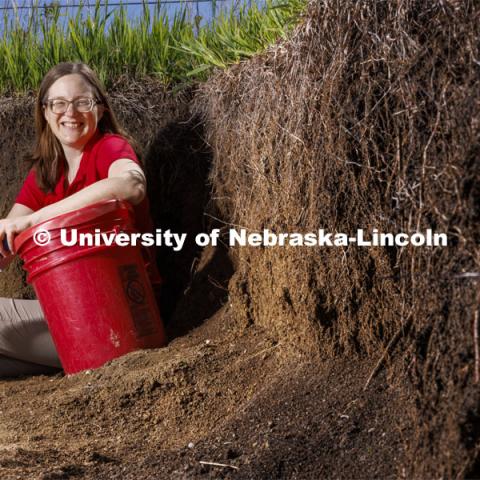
(177, 164)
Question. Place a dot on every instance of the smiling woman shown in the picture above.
(81, 156)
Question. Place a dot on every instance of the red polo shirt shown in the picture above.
(99, 154)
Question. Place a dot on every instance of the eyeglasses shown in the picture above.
(82, 105)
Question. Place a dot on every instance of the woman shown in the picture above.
(81, 156)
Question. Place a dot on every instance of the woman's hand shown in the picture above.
(9, 228)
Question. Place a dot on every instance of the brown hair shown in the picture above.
(47, 152)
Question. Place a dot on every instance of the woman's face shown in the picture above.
(72, 128)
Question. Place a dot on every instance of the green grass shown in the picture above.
(173, 49)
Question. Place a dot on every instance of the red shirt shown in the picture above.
(99, 154)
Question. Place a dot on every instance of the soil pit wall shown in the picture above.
(368, 117)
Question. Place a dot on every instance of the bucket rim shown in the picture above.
(78, 216)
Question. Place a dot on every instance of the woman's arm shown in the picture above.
(126, 181)
(19, 210)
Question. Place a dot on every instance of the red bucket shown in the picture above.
(97, 300)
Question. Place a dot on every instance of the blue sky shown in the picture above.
(203, 8)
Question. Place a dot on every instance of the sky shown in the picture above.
(202, 8)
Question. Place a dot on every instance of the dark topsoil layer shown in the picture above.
(219, 394)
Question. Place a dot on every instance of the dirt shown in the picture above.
(223, 393)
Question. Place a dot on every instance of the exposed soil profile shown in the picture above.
(368, 116)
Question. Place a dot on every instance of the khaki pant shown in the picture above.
(26, 346)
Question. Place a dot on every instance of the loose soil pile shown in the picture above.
(218, 395)
(368, 117)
